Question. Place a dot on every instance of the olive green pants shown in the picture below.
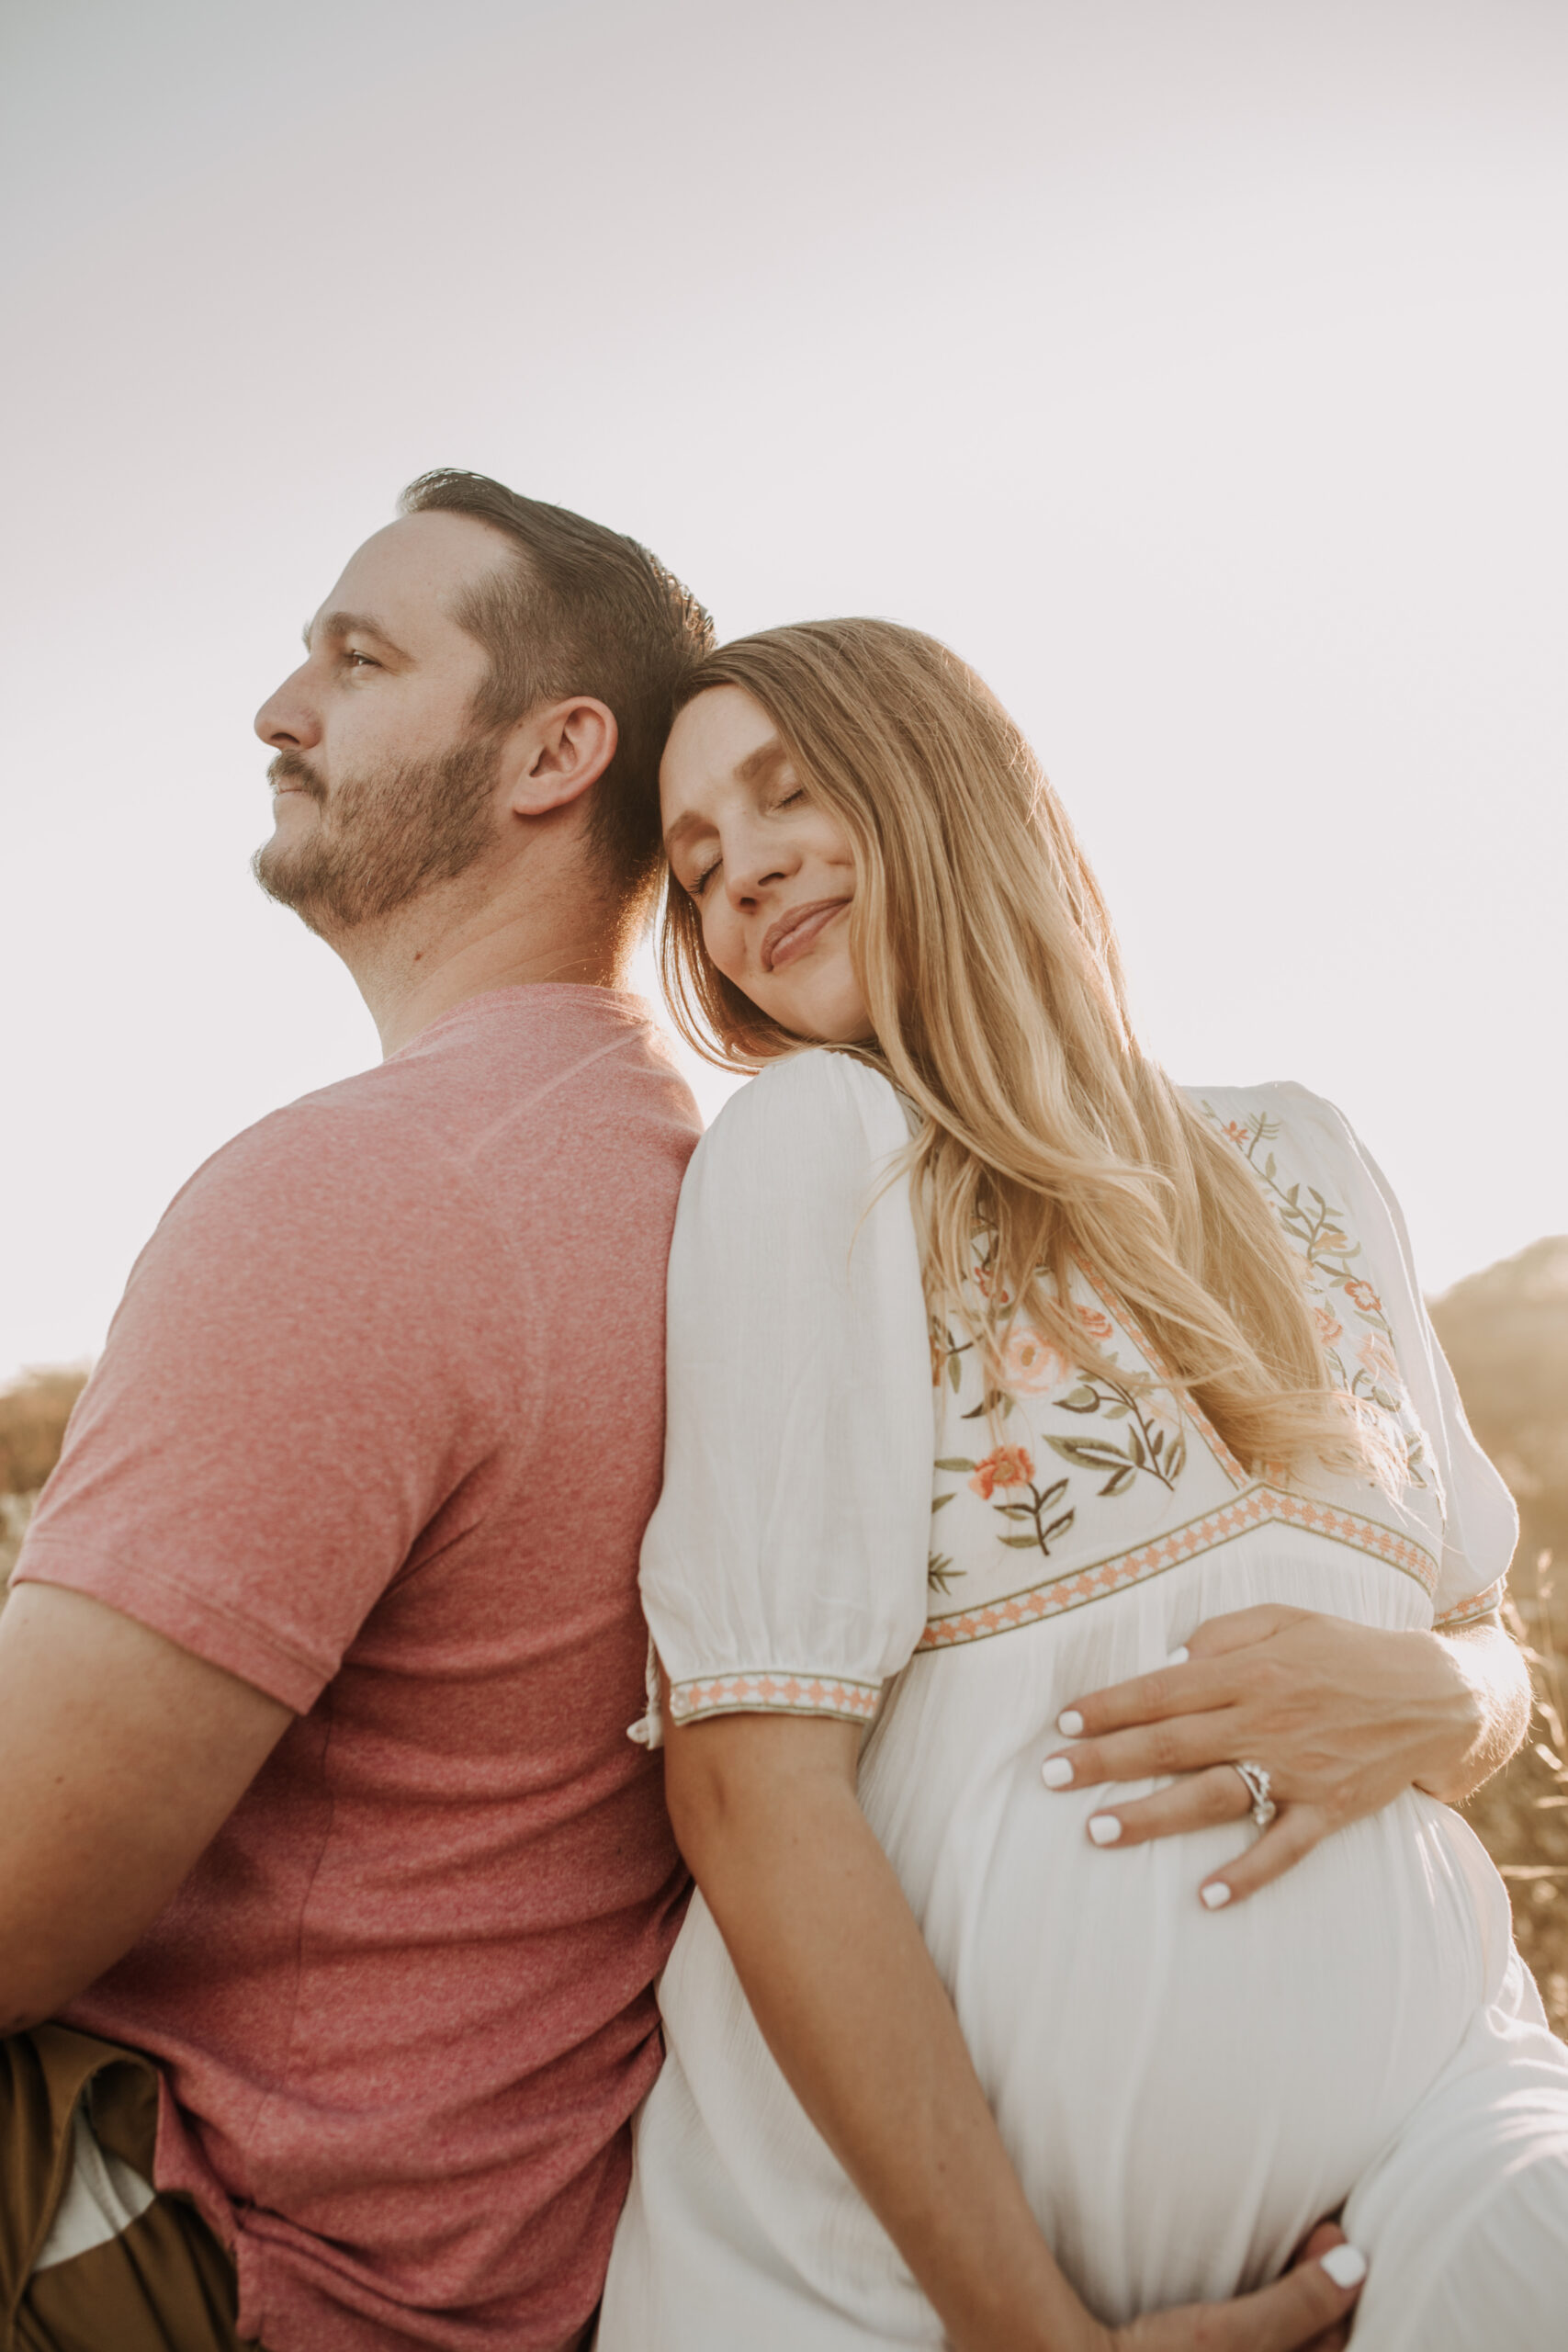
(164, 2284)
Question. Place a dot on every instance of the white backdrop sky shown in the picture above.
(1198, 367)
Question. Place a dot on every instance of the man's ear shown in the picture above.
(556, 752)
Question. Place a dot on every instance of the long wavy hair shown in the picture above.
(990, 970)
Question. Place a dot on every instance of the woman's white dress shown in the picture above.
(844, 1531)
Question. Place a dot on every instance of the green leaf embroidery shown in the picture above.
(1088, 1453)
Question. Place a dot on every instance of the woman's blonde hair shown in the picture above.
(995, 988)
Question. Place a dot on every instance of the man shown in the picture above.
(324, 1853)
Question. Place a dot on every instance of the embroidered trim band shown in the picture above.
(1473, 1612)
(1261, 1506)
(774, 1692)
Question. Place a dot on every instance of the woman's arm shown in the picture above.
(1344, 1717)
(849, 2003)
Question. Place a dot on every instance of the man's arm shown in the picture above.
(1344, 1717)
(120, 1757)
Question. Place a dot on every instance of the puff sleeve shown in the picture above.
(784, 1568)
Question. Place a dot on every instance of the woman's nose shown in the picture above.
(287, 719)
(748, 872)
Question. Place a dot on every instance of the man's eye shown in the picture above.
(364, 658)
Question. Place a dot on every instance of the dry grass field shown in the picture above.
(1507, 1335)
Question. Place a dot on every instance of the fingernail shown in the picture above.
(1345, 2264)
(1057, 1772)
(1069, 1722)
(1215, 1897)
(1104, 1828)
(1179, 1658)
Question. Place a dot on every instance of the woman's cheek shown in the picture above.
(721, 937)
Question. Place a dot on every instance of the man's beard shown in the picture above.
(381, 838)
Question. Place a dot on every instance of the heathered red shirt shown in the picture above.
(378, 1426)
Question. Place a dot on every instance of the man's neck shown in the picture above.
(454, 941)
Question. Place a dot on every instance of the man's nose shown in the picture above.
(287, 719)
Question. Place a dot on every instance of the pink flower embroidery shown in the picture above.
(1377, 1357)
(1031, 1366)
(1161, 1407)
(1236, 1132)
(1010, 1465)
(1364, 1296)
(987, 1285)
(1098, 1326)
(1329, 1327)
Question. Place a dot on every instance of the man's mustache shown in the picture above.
(293, 768)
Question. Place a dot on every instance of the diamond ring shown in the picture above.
(1255, 1781)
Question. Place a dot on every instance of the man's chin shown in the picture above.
(289, 882)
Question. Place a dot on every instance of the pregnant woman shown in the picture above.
(999, 1366)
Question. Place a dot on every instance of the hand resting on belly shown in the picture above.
(1342, 1717)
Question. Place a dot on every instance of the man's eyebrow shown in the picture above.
(349, 625)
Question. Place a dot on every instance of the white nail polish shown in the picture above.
(1345, 2264)
(1215, 1897)
(1104, 1828)
(1057, 1772)
(1179, 1658)
(1069, 1722)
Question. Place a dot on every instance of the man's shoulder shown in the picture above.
(345, 1144)
(522, 1070)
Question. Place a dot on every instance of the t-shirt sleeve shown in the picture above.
(297, 1383)
(1481, 1523)
(784, 1568)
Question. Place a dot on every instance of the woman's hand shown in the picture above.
(1306, 2310)
(1342, 1717)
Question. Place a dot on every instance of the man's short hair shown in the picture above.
(583, 611)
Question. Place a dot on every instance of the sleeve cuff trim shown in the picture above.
(1481, 1609)
(775, 1691)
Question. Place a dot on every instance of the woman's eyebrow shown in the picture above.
(753, 769)
(761, 762)
(690, 823)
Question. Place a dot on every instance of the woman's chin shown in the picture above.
(826, 1017)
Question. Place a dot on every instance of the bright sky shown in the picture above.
(1198, 367)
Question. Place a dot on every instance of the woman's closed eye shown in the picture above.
(698, 882)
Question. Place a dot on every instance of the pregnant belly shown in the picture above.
(1184, 2092)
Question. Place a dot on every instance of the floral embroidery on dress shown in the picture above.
(1011, 1468)
(1151, 1443)
(1316, 1232)
(1142, 1481)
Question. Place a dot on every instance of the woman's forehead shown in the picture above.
(723, 739)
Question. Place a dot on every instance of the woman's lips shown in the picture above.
(794, 933)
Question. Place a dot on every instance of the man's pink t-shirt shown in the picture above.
(378, 1427)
